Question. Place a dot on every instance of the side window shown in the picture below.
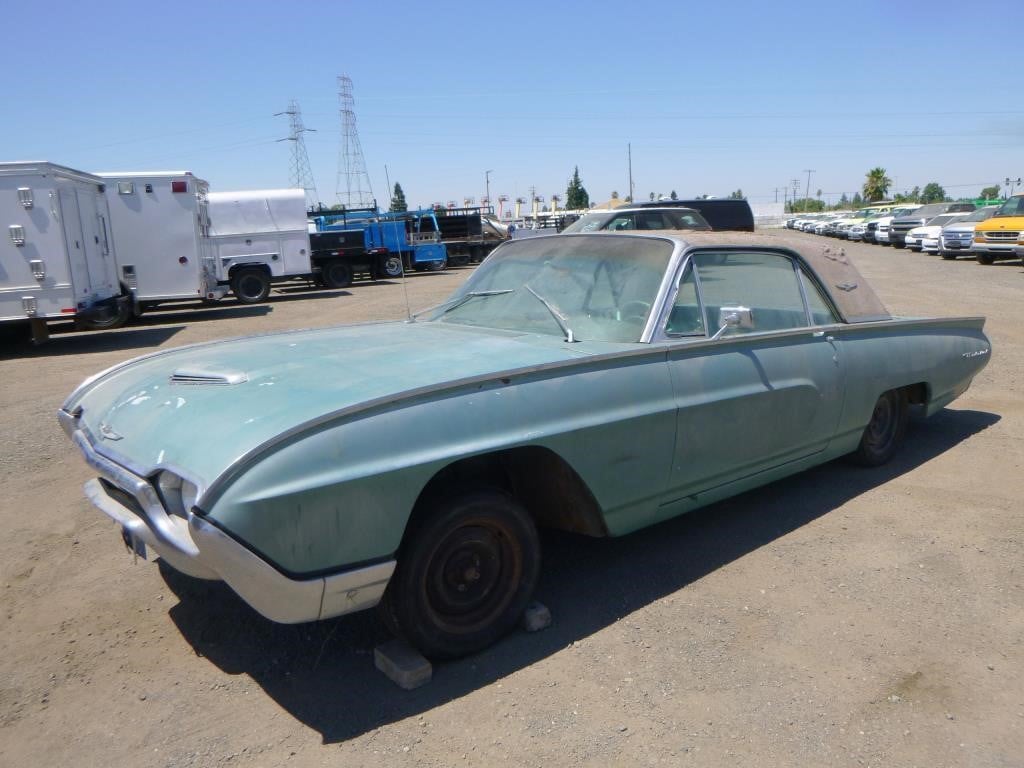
(686, 318)
(649, 221)
(620, 223)
(821, 312)
(765, 283)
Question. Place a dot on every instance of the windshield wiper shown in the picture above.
(560, 318)
(458, 301)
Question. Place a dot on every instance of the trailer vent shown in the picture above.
(17, 233)
(38, 269)
(125, 188)
(196, 377)
(25, 197)
(29, 305)
(149, 188)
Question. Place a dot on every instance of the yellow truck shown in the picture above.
(997, 238)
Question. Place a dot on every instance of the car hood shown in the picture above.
(250, 390)
(967, 227)
(930, 231)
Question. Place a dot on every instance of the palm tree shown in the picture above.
(876, 185)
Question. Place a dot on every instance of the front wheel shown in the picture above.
(884, 433)
(465, 573)
(947, 255)
(985, 258)
(250, 286)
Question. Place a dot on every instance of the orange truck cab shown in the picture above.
(997, 238)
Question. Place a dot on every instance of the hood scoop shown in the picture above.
(194, 376)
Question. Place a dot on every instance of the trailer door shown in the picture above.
(78, 262)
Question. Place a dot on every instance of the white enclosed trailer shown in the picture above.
(259, 237)
(161, 225)
(57, 256)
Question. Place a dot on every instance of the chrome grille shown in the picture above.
(1000, 235)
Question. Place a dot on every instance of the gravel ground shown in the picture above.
(840, 617)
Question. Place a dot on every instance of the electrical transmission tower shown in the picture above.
(353, 188)
(301, 175)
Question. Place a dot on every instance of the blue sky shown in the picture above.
(711, 96)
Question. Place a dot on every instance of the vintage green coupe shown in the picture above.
(593, 383)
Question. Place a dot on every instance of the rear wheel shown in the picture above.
(392, 265)
(251, 285)
(884, 433)
(466, 571)
(113, 317)
(336, 274)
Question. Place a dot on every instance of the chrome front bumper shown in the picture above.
(198, 548)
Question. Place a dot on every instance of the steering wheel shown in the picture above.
(635, 310)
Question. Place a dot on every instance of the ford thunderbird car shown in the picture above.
(591, 383)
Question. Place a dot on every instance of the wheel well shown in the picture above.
(236, 268)
(917, 394)
(541, 480)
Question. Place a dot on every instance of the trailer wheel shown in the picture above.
(250, 285)
(336, 274)
(120, 315)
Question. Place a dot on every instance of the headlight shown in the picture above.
(178, 495)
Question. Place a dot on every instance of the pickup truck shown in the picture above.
(901, 225)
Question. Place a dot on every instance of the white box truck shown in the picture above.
(57, 257)
(259, 237)
(161, 225)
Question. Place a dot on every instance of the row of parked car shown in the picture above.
(986, 232)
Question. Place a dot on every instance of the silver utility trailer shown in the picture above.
(161, 224)
(57, 257)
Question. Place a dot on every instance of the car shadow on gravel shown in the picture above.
(323, 673)
(85, 343)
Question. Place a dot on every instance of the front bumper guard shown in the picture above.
(198, 548)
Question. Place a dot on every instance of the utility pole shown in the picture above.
(487, 184)
(301, 174)
(796, 191)
(629, 150)
(807, 193)
(1011, 183)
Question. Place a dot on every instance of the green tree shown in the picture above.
(673, 195)
(844, 201)
(651, 196)
(806, 204)
(615, 194)
(398, 204)
(857, 201)
(932, 193)
(876, 185)
(737, 195)
(576, 196)
(990, 193)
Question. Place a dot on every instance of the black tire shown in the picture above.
(466, 571)
(984, 258)
(947, 255)
(391, 265)
(438, 266)
(118, 315)
(336, 274)
(897, 245)
(884, 433)
(250, 285)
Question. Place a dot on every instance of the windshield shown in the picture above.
(1012, 207)
(981, 214)
(602, 288)
(939, 221)
(591, 222)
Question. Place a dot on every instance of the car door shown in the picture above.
(763, 394)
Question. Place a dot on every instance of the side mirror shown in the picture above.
(734, 317)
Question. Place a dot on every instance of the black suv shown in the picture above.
(720, 213)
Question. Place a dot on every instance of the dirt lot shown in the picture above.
(841, 617)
